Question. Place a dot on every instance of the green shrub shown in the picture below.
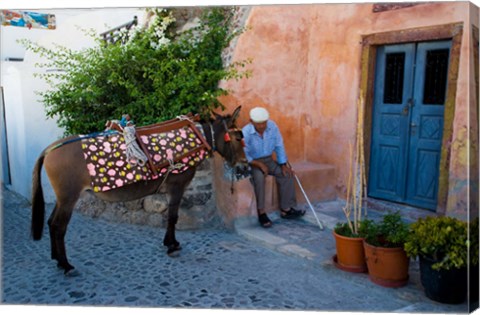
(157, 74)
(391, 231)
(442, 239)
(344, 229)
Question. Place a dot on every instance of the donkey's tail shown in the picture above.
(38, 203)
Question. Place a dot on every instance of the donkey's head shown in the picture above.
(228, 140)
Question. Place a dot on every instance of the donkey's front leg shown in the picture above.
(169, 240)
(176, 185)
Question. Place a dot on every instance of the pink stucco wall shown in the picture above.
(306, 71)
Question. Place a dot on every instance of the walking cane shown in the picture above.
(308, 200)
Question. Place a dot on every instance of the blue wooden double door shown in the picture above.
(408, 112)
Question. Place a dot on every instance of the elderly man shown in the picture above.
(263, 138)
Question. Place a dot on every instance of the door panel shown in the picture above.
(427, 123)
(409, 98)
(390, 122)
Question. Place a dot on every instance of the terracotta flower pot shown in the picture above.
(387, 267)
(350, 254)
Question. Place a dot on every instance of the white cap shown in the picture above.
(259, 114)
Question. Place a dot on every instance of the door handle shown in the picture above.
(406, 108)
(413, 128)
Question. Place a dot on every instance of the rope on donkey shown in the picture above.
(172, 166)
(134, 154)
(185, 117)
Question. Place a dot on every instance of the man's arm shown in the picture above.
(279, 146)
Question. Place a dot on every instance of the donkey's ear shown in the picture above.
(236, 112)
(216, 116)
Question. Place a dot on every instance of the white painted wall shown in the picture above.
(28, 129)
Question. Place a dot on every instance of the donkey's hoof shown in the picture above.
(174, 250)
(67, 269)
(72, 273)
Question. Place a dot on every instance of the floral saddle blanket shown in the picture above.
(173, 146)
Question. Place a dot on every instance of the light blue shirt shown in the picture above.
(258, 147)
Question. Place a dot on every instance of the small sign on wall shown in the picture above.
(28, 19)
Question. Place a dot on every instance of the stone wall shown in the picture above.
(197, 210)
(307, 70)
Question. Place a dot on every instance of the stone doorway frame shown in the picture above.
(370, 42)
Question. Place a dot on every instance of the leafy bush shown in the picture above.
(391, 231)
(344, 228)
(442, 239)
(157, 74)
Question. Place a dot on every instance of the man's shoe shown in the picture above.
(264, 220)
(292, 213)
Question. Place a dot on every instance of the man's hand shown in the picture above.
(287, 170)
(261, 166)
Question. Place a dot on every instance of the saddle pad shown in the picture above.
(107, 163)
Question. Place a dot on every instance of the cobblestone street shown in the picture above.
(126, 265)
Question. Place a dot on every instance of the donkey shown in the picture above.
(69, 176)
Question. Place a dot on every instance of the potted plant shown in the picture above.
(441, 243)
(350, 255)
(348, 235)
(386, 259)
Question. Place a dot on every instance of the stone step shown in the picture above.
(317, 180)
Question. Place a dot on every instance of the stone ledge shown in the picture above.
(273, 242)
(328, 222)
(318, 181)
(295, 250)
(262, 236)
